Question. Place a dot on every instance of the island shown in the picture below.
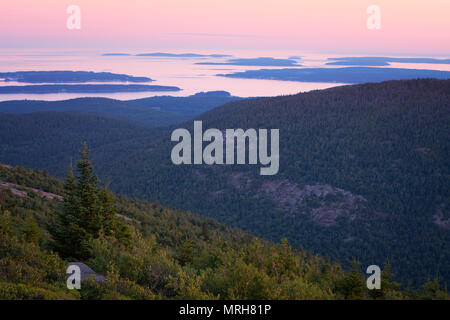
(182, 55)
(258, 62)
(381, 61)
(116, 54)
(69, 77)
(351, 75)
(84, 88)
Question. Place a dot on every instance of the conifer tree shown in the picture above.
(67, 233)
(352, 285)
(205, 231)
(87, 211)
(186, 253)
(30, 229)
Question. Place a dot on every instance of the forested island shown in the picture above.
(84, 88)
(69, 77)
(116, 54)
(181, 55)
(259, 62)
(351, 75)
(381, 61)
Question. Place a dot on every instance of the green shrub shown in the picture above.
(21, 291)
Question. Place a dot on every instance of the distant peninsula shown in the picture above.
(259, 62)
(181, 55)
(350, 75)
(68, 77)
(381, 61)
(83, 88)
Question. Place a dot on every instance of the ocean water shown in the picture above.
(181, 72)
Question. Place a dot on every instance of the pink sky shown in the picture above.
(409, 27)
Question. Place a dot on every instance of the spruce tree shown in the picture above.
(66, 232)
(87, 211)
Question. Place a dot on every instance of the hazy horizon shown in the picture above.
(408, 28)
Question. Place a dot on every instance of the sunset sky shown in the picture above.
(412, 27)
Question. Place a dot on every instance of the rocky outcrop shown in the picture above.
(87, 273)
(22, 191)
(323, 203)
(442, 217)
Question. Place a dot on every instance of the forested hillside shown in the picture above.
(191, 105)
(49, 139)
(364, 173)
(155, 253)
(152, 112)
(149, 117)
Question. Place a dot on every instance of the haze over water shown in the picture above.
(168, 71)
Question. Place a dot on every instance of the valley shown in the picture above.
(354, 179)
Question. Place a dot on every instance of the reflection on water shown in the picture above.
(180, 72)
